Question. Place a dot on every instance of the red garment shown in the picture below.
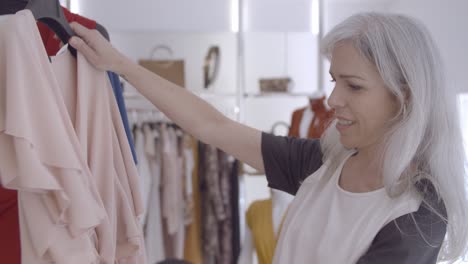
(320, 112)
(51, 41)
(10, 250)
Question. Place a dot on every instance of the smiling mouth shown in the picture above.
(342, 122)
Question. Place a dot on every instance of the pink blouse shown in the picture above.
(63, 147)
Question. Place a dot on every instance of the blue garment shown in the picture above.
(118, 92)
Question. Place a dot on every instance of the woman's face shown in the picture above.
(363, 105)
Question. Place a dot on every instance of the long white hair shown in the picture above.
(426, 131)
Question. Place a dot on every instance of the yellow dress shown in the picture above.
(193, 245)
(259, 219)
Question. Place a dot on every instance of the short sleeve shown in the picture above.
(289, 160)
(414, 238)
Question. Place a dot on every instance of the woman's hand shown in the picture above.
(97, 50)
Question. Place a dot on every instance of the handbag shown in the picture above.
(172, 70)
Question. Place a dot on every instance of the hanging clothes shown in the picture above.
(52, 44)
(82, 204)
(310, 121)
(167, 171)
(118, 93)
(234, 194)
(226, 225)
(10, 246)
(153, 224)
(212, 206)
(185, 145)
(104, 144)
(184, 172)
(172, 194)
(144, 173)
(214, 170)
(259, 219)
(49, 202)
(9, 218)
(193, 244)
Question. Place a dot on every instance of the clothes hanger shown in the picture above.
(8, 7)
(50, 13)
(101, 29)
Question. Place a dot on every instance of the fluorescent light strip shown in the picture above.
(75, 6)
(235, 15)
(315, 17)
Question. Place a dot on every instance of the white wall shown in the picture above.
(190, 47)
(447, 21)
(338, 10)
(270, 54)
(159, 15)
(277, 15)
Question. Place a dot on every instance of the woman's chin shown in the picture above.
(347, 144)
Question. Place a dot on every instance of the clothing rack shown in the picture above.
(215, 183)
(137, 103)
(142, 115)
(226, 249)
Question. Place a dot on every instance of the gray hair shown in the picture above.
(426, 131)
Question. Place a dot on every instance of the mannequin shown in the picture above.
(312, 120)
(257, 234)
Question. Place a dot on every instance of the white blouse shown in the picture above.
(326, 224)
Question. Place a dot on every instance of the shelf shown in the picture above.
(137, 103)
(250, 171)
(254, 173)
(203, 93)
(276, 94)
(206, 93)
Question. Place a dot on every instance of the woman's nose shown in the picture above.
(335, 100)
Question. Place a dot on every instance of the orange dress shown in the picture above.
(321, 118)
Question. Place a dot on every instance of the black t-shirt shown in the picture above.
(288, 161)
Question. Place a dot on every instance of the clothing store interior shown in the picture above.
(174, 199)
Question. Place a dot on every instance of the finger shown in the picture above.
(84, 49)
(80, 30)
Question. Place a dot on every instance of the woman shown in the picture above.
(385, 183)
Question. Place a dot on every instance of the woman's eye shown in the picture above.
(355, 87)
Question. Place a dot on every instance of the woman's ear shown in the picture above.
(406, 99)
(406, 93)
